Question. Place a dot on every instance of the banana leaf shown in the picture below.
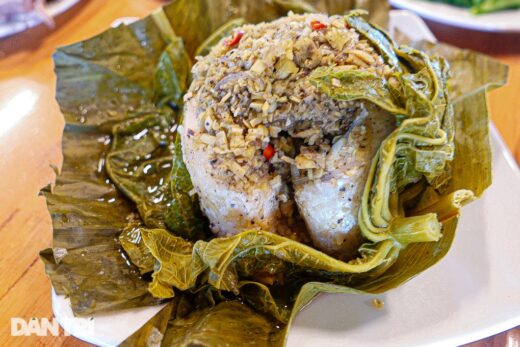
(122, 206)
(91, 206)
(187, 320)
(88, 214)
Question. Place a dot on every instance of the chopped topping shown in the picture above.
(274, 131)
(306, 53)
(236, 168)
(269, 152)
(307, 133)
(259, 113)
(317, 25)
(258, 67)
(337, 39)
(235, 39)
(364, 56)
(276, 182)
(288, 160)
(284, 68)
(208, 139)
(303, 163)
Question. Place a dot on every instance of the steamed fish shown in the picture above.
(265, 149)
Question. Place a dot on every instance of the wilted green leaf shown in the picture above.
(131, 240)
(224, 261)
(172, 74)
(152, 333)
(140, 161)
(463, 64)
(88, 214)
(357, 85)
(184, 217)
(227, 324)
(96, 278)
(176, 266)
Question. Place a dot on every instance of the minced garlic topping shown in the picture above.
(256, 93)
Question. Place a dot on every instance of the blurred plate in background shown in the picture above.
(23, 21)
(502, 21)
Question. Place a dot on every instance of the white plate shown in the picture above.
(474, 292)
(502, 21)
(30, 20)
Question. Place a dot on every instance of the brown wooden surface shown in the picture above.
(34, 142)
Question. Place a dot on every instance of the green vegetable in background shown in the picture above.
(122, 207)
(484, 6)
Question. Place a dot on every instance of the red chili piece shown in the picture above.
(235, 39)
(317, 25)
(269, 152)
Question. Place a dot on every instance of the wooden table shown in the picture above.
(30, 138)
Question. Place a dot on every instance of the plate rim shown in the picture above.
(416, 7)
